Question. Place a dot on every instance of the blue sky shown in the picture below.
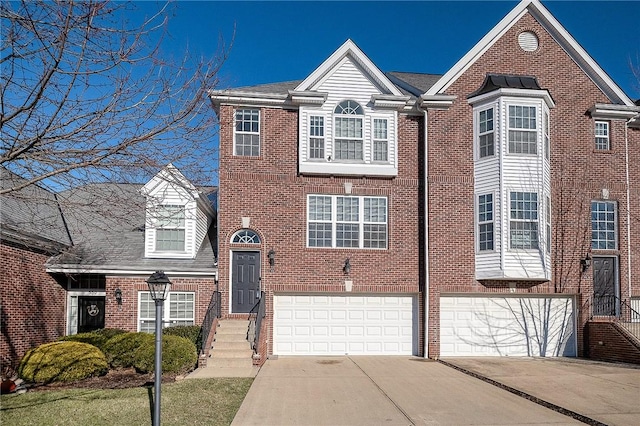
(281, 41)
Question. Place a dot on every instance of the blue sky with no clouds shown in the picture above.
(281, 41)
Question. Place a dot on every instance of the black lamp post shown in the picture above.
(159, 285)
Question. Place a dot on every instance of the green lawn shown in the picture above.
(187, 402)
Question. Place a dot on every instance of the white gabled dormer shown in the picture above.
(348, 117)
(177, 217)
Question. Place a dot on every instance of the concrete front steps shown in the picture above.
(230, 354)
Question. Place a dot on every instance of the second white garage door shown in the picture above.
(345, 325)
(513, 326)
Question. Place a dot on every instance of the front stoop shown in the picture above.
(230, 354)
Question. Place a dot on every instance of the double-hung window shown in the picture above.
(380, 140)
(486, 142)
(346, 221)
(602, 136)
(603, 225)
(523, 134)
(316, 137)
(170, 228)
(523, 222)
(548, 223)
(485, 222)
(546, 133)
(247, 132)
(348, 134)
(178, 309)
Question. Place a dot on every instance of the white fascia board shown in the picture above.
(442, 102)
(106, 270)
(613, 112)
(514, 93)
(230, 97)
(347, 169)
(390, 101)
(480, 48)
(348, 48)
(308, 97)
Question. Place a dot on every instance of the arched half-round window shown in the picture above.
(349, 107)
(245, 236)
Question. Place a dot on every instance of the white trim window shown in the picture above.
(178, 309)
(347, 222)
(316, 137)
(349, 135)
(486, 134)
(247, 132)
(522, 130)
(604, 231)
(380, 140)
(523, 221)
(170, 228)
(602, 142)
(546, 132)
(548, 223)
(485, 223)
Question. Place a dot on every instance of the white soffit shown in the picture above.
(556, 30)
(348, 48)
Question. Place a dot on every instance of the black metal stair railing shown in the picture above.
(256, 315)
(213, 312)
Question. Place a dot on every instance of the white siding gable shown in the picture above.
(348, 80)
(170, 189)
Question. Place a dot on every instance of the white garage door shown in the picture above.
(514, 326)
(340, 325)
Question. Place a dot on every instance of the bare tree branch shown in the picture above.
(88, 97)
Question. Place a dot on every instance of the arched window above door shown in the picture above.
(245, 236)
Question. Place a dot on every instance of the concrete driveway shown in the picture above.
(411, 391)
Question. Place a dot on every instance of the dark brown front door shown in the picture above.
(604, 286)
(245, 280)
(90, 313)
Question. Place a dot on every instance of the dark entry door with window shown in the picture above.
(245, 280)
(604, 286)
(90, 313)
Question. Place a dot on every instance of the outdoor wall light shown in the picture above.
(272, 257)
(118, 295)
(347, 266)
(585, 263)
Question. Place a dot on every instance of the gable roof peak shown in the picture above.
(351, 50)
(541, 14)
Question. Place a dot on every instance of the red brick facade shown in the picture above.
(32, 303)
(125, 316)
(606, 341)
(268, 190)
(578, 173)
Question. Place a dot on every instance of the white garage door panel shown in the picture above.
(514, 326)
(339, 325)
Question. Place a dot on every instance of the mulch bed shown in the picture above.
(114, 379)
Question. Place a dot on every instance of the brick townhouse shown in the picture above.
(490, 211)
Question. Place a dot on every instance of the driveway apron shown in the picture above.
(381, 390)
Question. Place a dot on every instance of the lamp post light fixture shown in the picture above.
(159, 285)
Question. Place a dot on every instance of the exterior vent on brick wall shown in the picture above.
(528, 41)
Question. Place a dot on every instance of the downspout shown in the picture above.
(426, 235)
(626, 159)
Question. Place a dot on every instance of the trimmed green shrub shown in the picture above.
(179, 355)
(62, 362)
(120, 349)
(97, 338)
(191, 332)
